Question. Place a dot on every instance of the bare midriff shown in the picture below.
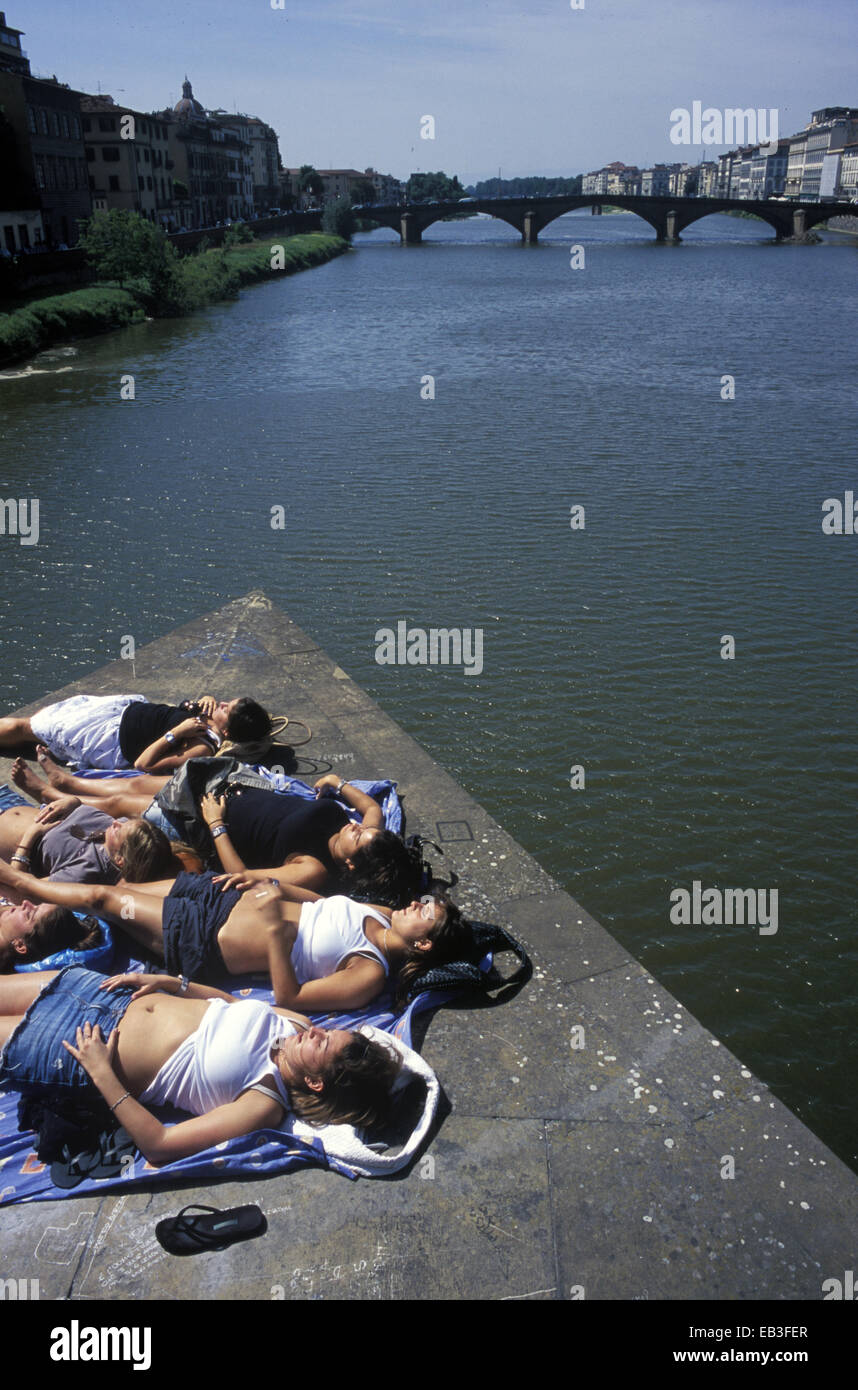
(14, 824)
(243, 938)
(151, 1030)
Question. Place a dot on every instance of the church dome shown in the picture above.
(188, 107)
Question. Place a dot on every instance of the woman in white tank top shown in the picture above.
(340, 954)
(238, 1065)
(324, 954)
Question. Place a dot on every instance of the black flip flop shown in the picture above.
(71, 1169)
(113, 1147)
(191, 1235)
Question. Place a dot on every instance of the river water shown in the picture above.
(554, 387)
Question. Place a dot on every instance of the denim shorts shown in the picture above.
(158, 817)
(34, 1057)
(195, 909)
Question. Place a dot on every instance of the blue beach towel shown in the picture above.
(9, 797)
(24, 1178)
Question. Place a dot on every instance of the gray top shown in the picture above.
(67, 852)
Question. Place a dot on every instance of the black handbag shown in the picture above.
(180, 798)
(488, 938)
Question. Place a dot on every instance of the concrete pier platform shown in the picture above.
(562, 1170)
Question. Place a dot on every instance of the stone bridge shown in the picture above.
(668, 216)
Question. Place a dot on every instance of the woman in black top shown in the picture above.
(314, 844)
(121, 731)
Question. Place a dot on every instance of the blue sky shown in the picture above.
(532, 87)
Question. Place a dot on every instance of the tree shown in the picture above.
(338, 219)
(238, 233)
(433, 188)
(122, 245)
(534, 186)
(310, 181)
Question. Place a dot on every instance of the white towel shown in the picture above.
(349, 1145)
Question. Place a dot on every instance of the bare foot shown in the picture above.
(56, 775)
(24, 777)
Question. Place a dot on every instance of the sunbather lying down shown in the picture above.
(66, 840)
(237, 1065)
(118, 731)
(75, 844)
(324, 954)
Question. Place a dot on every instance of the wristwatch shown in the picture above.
(169, 737)
(183, 984)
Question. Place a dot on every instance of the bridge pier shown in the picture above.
(669, 230)
(799, 223)
(530, 228)
(410, 231)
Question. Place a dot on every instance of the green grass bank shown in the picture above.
(203, 279)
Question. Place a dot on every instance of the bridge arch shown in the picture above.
(780, 222)
(584, 200)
